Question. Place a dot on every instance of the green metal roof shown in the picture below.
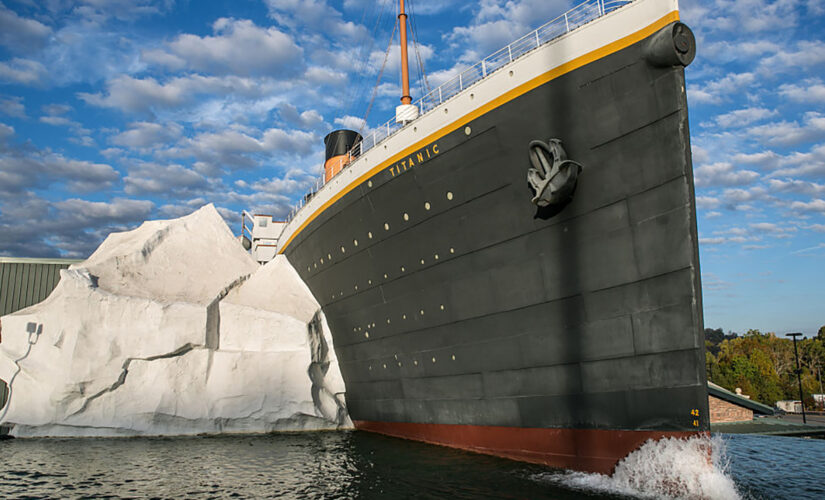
(722, 393)
(29, 260)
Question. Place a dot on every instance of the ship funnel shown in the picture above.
(338, 145)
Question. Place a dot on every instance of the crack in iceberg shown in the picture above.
(125, 371)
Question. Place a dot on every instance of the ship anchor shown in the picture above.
(552, 179)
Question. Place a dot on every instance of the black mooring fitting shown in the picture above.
(673, 45)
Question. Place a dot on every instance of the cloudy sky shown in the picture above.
(117, 111)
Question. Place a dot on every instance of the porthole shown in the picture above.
(406, 216)
(433, 359)
(322, 260)
(452, 250)
(442, 307)
(468, 131)
(369, 183)
(366, 335)
(403, 316)
(369, 234)
(402, 269)
(415, 362)
(422, 262)
(449, 195)
(343, 250)
(386, 227)
(399, 364)
(435, 256)
(329, 256)
(355, 242)
(369, 282)
(446, 111)
(385, 275)
(453, 357)
(472, 96)
(426, 205)
(511, 72)
(421, 312)
(388, 321)
(356, 288)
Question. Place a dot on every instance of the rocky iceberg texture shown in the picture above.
(171, 328)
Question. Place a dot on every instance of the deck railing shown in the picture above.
(579, 15)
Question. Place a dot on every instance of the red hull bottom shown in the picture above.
(589, 450)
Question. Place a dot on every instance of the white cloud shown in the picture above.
(807, 55)
(813, 206)
(743, 117)
(305, 120)
(703, 202)
(118, 210)
(723, 174)
(19, 33)
(716, 91)
(812, 91)
(797, 186)
(23, 72)
(145, 134)
(298, 14)
(13, 106)
(6, 131)
(231, 148)
(790, 133)
(174, 181)
(239, 47)
(147, 94)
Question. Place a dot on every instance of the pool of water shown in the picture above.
(354, 465)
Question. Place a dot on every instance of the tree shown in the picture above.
(820, 335)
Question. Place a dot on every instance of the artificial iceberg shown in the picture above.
(171, 328)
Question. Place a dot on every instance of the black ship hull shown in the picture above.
(464, 315)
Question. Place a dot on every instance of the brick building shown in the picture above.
(726, 406)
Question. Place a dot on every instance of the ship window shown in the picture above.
(426, 205)
(442, 307)
(369, 234)
(369, 183)
(355, 242)
(467, 130)
(435, 256)
(262, 222)
(386, 227)
(366, 335)
(422, 262)
(343, 250)
(449, 195)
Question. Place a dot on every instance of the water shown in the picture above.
(361, 465)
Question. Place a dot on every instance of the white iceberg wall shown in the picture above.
(163, 331)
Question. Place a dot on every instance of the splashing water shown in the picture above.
(664, 469)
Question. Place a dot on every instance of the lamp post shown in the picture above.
(798, 373)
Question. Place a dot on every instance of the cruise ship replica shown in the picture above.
(510, 265)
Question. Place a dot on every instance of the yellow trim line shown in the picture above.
(504, 98)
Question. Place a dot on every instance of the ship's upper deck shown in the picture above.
(589, 31)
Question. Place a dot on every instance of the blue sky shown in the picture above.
(117, 111)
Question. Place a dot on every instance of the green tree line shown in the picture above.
(763, 364)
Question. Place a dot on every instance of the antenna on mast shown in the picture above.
(406, 112)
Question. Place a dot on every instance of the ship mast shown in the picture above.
(405, 71)
(406, 112)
